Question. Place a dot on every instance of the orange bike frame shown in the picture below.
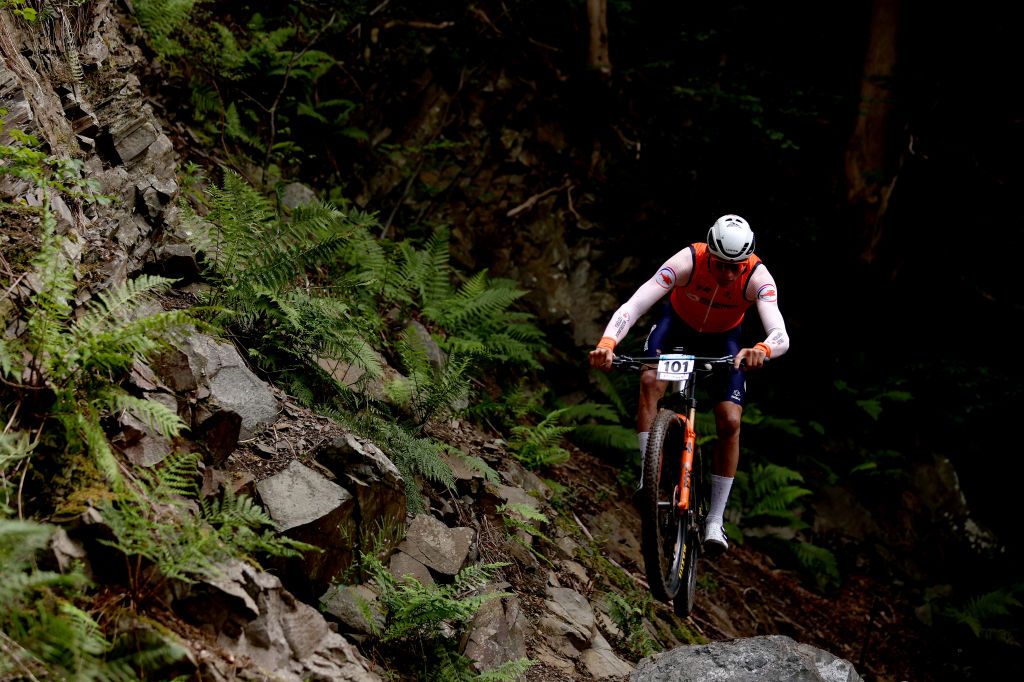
(686, 471)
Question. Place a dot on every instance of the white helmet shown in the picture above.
(731, 239)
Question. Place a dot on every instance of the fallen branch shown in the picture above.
(532, 201)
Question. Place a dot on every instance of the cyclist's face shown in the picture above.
(725, 272)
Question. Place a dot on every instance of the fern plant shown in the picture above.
(264, 268)
(428, 391)
(414, 456)
(767, 494)
(78, 360)
(990, 616)
(162, 20)
(630, 619)
(44, 630)
(422, 614)
(539, 446)
(523, 521)
(477, 318)
(154, 525)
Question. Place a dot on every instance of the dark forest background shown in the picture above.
(904, 282)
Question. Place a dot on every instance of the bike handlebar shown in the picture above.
(650, 362)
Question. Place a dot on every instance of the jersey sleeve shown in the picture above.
(762, 290)
(675, 269)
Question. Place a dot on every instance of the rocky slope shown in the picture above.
(575, 601)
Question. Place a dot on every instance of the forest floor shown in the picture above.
(867, 620)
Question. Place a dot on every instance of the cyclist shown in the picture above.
(712, 286)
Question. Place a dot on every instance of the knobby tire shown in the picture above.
(661, 535)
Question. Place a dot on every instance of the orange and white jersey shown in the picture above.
(703, 303)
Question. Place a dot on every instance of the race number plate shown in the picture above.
(675, 367)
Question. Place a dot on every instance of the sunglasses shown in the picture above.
(726, 266)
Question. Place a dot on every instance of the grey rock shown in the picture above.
(773, 658)
(435, 545)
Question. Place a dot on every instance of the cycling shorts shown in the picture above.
(671, 332)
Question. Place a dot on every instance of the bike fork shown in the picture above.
(686, 471)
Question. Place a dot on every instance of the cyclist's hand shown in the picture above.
(750, 358)
(601, 358)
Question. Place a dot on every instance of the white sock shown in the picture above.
(720, 487)
(642, 440)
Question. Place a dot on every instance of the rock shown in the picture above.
(436, 546)
(311, 509)
(771, 658)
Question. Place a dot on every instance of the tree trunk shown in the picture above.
(870, 160)
(597, 52)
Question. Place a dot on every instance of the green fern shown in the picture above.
(818, 562)
(415, 611)
(539, 446)
(630, 619)
(264, 267)
(477, 317)
(161, 20)
(157, 522)
(43, 633)
(767, 490)
(415, 457)
(429, 391)
(527, 521)
(987, 616)
(80, 360)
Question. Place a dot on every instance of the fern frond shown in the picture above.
(156, 416)
(161, 19)
(120, 303)
(778, 499)
(819, 562)
(605, 437)
(175, 475)
(96, 440)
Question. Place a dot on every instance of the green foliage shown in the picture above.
(874, 403)
(768, 496)
(520, 520)
(80, 359)
(44, 633)
(478, 318)
(538, 446)
(817, 562)
(753, 416)
(264, 267)
(417, 612)
(767, 493)
(414, 456)
(450, 666)
(18, 8)
(428, 391)
(257, 79)
(990, 616)
(157, 522)
(23, 159)
(630, 619)
(608, 436)
(161, 20)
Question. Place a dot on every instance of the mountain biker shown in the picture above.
(712, 286)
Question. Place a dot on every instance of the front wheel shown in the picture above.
(683, 601)
(663, 536)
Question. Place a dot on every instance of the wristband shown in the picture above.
(606, 342)
(766, 348)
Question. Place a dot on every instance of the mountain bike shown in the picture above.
(675, 484)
